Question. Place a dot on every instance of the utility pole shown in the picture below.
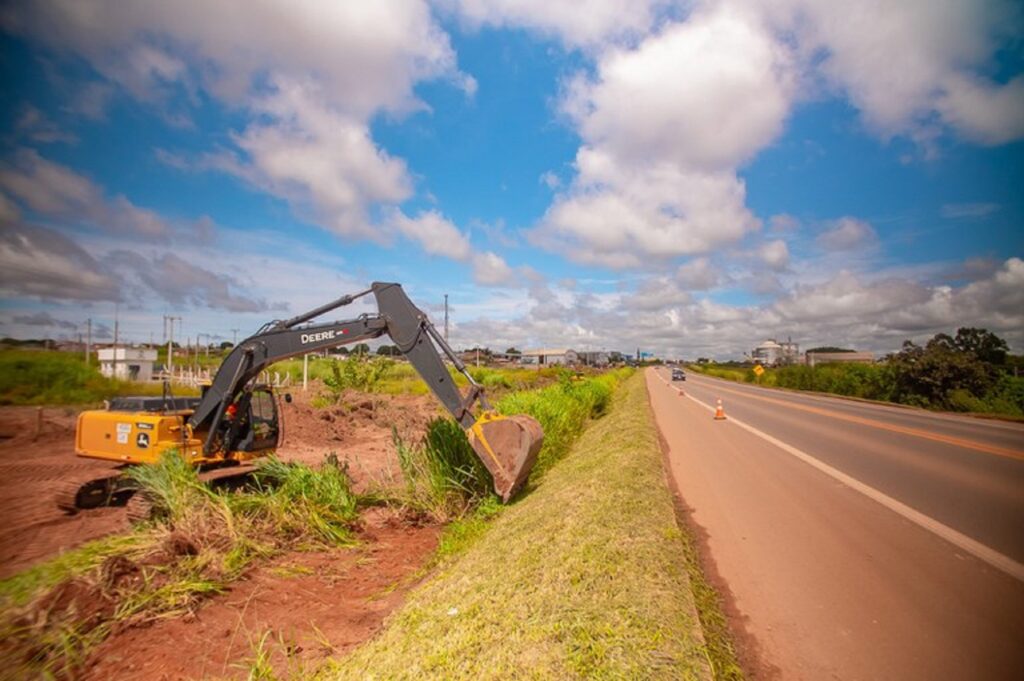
(234, 337)
(88, 342)
(116, 320)
(446, 318)
(170, 342)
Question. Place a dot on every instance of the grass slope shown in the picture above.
(583, 578)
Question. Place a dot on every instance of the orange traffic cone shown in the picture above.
(719, 412)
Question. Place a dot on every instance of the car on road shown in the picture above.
(678, 375)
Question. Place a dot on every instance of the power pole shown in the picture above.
(170, 342)
(88, 342)
(116, 319)
(446, 318)
(234, 337)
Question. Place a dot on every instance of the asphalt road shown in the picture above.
(855, 541)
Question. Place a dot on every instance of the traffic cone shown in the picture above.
(719, 412)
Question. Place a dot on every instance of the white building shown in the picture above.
(772, 353)
(550, 357)
(127, 364)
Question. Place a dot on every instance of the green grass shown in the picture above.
(49, 377)
(583, 578)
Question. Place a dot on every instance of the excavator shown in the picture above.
(236, 421)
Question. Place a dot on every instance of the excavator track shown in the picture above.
(90, 491)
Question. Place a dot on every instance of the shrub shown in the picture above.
(443, 476)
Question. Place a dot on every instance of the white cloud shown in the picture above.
(322, 161)
(698, 275)
(550, 180)
(310, 74)
(435, 233)
(665, 126)
(846, 234)
(775, 254)
(490, 269)
(909, 65)
(705, 94)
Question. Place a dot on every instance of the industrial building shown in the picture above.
(550, 357)
(773, 353)
(815, 358)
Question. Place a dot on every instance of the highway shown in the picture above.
(853, 540)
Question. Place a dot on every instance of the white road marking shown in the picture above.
(975, 548)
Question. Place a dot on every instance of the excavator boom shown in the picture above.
(507, 445)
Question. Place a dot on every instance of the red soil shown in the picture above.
(312, 604)
(303, 607)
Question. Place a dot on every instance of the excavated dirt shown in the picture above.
(302, 606)
(31, 526)
(297, 610)
(358, 430)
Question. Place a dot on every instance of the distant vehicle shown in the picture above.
(678, 375)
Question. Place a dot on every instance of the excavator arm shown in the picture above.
(507, 446)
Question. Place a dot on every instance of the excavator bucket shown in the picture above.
(508, 447)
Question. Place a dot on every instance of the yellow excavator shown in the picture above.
(236, 420)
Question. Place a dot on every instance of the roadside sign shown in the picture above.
(758, 370)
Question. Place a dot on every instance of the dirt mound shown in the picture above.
(297, 610)
(359, 430)
(31, 462)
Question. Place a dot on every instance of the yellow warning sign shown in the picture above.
(758, 370)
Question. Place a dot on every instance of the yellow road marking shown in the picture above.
(916, 432)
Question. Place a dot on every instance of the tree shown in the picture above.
(388, 351)
(361, 349)
(512, 351)
(829, 348)
(226, 345)
(981, 343)
(927, 375)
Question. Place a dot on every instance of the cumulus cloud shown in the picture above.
(908, 66)
(321, 160)
(665, 125)
(311, 74)
(435, 233)
(846, 234)
(775, 254)
(698, 275)
(41, 263)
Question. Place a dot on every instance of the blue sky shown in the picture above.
(688, 178)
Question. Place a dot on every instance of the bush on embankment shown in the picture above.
(583, 577)
(445, 479)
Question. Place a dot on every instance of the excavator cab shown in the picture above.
(250, 423)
